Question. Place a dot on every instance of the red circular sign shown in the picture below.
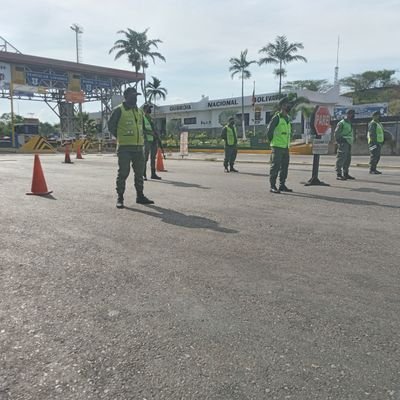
(322, 121)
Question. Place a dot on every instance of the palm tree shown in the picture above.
(128, 47)
(89, 125)
(138, 48)
(239, 66)
(281, 52)
(154, 90)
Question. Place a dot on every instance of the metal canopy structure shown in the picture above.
(63, 85)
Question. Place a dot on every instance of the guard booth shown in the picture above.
(25, 130)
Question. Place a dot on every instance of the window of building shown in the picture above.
(246, 119)
(190, 121)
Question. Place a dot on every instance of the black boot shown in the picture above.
(340, 177)
(142, 199)
(284, 188)
(347, 176)
(226, 169)
(120, 201)
(274, 189)
(233, 169)
(154, 174)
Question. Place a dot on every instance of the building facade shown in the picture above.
(207, 114)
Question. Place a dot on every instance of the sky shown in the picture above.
(200, 36)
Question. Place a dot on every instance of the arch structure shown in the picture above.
(63, 86)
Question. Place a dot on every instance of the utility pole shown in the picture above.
(78, 31)
(336, 80)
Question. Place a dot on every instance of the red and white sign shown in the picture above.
(322, 121)
(75, 97)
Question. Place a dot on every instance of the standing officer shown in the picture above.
(150, 142)
(344, 138)
(230, 136)
(375, 141)
(126, 124)
(279, 135)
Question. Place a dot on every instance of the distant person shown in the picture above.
(279, 135)
(230, 137)
(344, 137)
(126, 124)
(375, 142)
(150, 142)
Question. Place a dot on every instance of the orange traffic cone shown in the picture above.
(78, 153)
(160, 163)
(67, 157)
(39, 186)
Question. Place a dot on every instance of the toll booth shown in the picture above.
(25, 130)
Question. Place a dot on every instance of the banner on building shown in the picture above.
(5, 76)
(362, 110)
(27, 90)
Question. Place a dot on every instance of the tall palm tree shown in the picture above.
(129, 47)
(281, 52)
(239, 66)
(138, 47)
(155, 91)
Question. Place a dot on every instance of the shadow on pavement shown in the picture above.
(179, 219)
(341, 200)
(379, 182)
(46, 196)
(182, 184)
(372, 190)
(255, 173)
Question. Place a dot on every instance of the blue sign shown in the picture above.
(362, 110)
(42, 78)
(89, 85)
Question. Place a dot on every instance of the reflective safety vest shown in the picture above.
(282, 133)
(148, 127)
(130, 127)
(380, 136)
(231, 137)
(347, 131)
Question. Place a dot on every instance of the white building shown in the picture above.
(204, 114)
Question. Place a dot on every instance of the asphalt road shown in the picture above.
(221, 290)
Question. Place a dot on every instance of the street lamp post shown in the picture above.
(78, 30)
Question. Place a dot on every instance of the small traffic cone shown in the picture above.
(39, 187)
(160, 163)
(78, 153)
(67, 159)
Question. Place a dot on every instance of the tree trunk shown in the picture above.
(144, 84)
(243, 127)
(280, 77)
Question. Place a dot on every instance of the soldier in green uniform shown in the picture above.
(344, 138)
(279, 135)
(375, 142)
(230, 137)
(126, 124)
(150, 142)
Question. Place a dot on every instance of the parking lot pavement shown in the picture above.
(221, 290)
(386, 162)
